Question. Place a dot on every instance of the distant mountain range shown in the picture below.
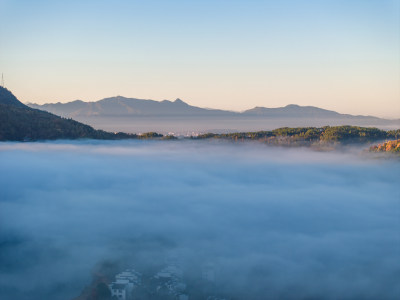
(296, 111)
(133, 115)
(121, 106)
(19, 122)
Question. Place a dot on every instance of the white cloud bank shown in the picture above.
(276, 223)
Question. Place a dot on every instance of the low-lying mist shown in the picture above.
(273, 222)
(192, 125)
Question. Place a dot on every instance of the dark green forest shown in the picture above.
(26, 124)
(307, 135)
(19, 122)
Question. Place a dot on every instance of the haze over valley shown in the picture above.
(271, 171)
(138, 115)
(269, 222)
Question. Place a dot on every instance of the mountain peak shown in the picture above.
(8, 98)
(179, 101)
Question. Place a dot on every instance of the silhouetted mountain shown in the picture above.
(293, 110)
(7, 98)
(121, 106)
(19, 122)
(133, 115)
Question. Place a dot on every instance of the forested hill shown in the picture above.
(388, 146)
(310, 135)
(7, 98)
(19, 122)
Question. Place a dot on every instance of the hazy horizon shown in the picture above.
(188, 102)
(235, 55)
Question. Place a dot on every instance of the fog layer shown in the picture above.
(274, 222)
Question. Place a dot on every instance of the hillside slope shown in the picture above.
(19, 122)
(7, 98)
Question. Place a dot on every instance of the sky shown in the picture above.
(275, 223)
(334, 54)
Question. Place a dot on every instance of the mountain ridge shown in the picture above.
(120, 105)
(147, 107)
(178, 117)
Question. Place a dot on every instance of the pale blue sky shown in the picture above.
(336, 54)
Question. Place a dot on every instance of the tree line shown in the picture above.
(300, 135)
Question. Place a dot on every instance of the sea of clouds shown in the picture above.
(274, 222)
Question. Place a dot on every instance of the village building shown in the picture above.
(124, 284)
